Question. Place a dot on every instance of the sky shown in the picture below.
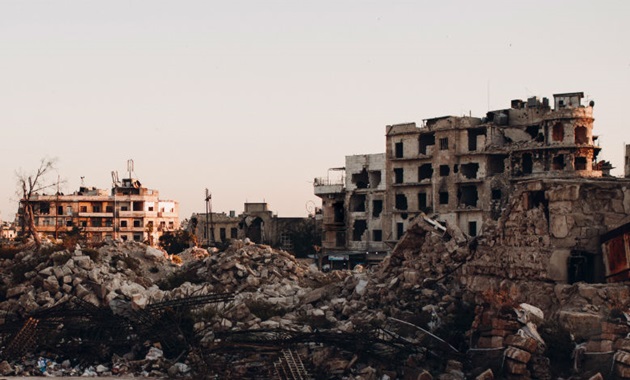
(254, 99)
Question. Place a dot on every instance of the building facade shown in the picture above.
(460, 170)
(353, 209)
(129, 212)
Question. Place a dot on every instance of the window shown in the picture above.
(398, 147)
(123, 223)
(137, 206)
(472, 228)
(233, 233)
(398, 175)
(377, 208)
(558, 162)
(422, 202)
(425, 141)
(96, 222)
(557, 132)
(377, 235)
(400, 230)
(150, 208)
(285, 241)
(83, 208)
(468, 196)
(222, 234)
(444, 170)
(124, 208)
(69, 223)
(96, 208)
(580, 135)
(60, 210)
(137, 237)
(580, 163)
(528, 163)
(109, 209)
(108, 223)
(470, 170)
(496, 194)
(84, 223)
(340, 239)
(401, 202)
(358, 229)
(444, 143)
(44, 208)
(357, 202)
(425, 171)
(171, 225)
(443, 197)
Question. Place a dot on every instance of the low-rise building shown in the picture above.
(129, 212)
(260, 225)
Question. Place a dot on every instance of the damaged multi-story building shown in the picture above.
(129, 211)
(260, 225)
(464, 171)
(353, 209)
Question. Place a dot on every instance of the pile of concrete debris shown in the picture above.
(252, 311)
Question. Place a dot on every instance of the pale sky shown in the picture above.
(253, 99)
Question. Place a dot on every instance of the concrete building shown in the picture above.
(260, 225)
(463, 170)
(353, 211)
(129, 212)
(9, 232)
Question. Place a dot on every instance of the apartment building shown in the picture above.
(129, 212)
(458, 169)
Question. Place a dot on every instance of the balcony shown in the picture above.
(324, 186)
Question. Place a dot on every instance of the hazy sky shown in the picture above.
(253, 99)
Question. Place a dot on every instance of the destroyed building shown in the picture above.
(260, 225)
(353, 211)
(129, 211)
(465, 170)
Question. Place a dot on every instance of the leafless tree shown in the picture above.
(30, 184)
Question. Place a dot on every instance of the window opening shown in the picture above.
(528, 163)
(401, 202)
(398, 147)
(469, 196)
(472, 228)
(557, 133)
(357, 203)
(377, 208)
(445, 170)
(425, 171)
(580, 135)
(580, 163)
(470, 170)
(361, 179)
(558, 162)
(426, 140)
(398, 175)
(443, 197)
(358, 229)
(444, 143)
(377, 235)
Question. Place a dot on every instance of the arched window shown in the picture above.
(580, 135)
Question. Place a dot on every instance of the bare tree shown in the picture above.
(28, 186)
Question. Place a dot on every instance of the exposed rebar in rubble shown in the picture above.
(79, 326)
(24, 340)
(290, 367)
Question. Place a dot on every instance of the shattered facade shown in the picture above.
(353, 209)
(461, 168)
(129, 212)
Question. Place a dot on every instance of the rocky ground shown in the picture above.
(125, 309)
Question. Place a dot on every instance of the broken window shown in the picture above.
(398, 175)
(426, 140)
(222, 234)
(496, 165)
(109, 209)
(84, 223)
(340, 238)
(400, 230)
(137, 237)
(69, 223)
(444, 143)
(401, 202)
(580, 135)
(60, 210)
(444, 170)
(472, 137)
(377, 208)
(557, 133)
(233, 233)
(468, 196)
(44, 208)
(558, 162)
(375, 178)
(580, 163)
(361, 179)
(358, 229)
(124, 208)
(339, 212)
(470, 170)
(472, 228)
(171, 224)
(108, 223)
(83, 208)
(422, 202)
(496, 194)
(377, 235)
(443, 197)
(528, 163)
(425, 171)
(96, 222)
(357, 202)
(398, 148)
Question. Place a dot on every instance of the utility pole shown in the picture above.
(209, 224)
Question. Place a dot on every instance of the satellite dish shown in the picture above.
(591, 103)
